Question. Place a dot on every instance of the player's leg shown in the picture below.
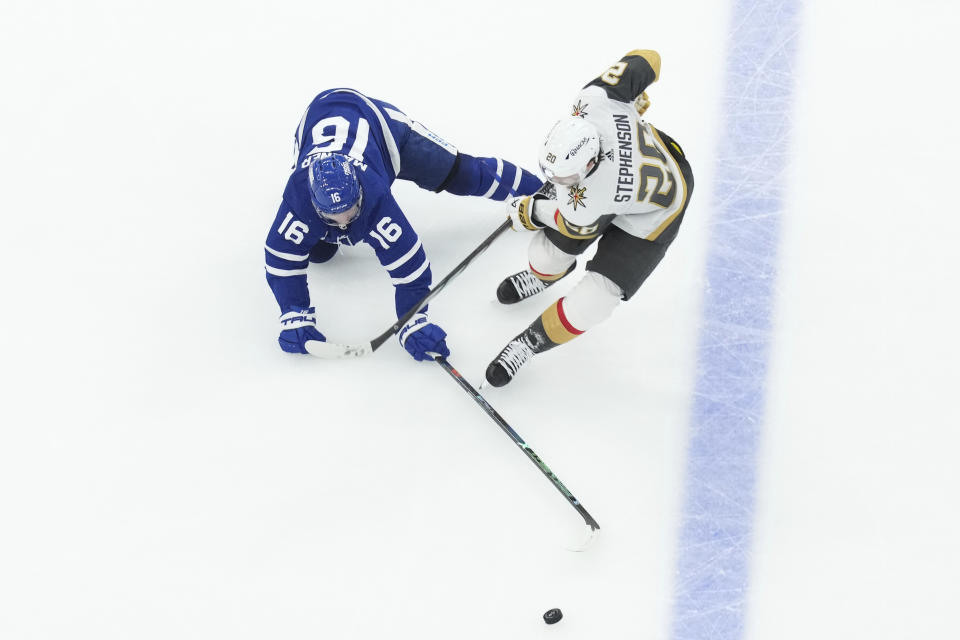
(551, 256)
(621, 265)
(426, 159)
(591, 301)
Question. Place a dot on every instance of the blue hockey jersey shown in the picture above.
(383, 144)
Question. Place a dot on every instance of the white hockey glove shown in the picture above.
(520, 212)
(642, 103)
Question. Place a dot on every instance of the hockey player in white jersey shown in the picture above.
(613, 179)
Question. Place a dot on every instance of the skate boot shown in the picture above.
(506, 365)
(525, 284)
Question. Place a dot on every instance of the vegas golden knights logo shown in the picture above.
(577, 197)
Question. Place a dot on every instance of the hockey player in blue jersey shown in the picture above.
(349, 148)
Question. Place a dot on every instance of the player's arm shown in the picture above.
(534, 212)
(286, 256)
(543, 209)
(628, 79)
(400, 251)
(286, 253)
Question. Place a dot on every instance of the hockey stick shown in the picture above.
(332, 350)
(490, 411)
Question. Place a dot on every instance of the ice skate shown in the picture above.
(525, 284)
(517, 352)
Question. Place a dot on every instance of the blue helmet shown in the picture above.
(334, 188)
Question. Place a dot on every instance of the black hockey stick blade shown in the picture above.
(530, 453)
(332, 350)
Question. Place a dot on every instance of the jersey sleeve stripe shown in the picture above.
(496, 181)
(396, 264)
(399, 116)
(517, 179)
(292, 257)
(280, 263)
(413, 276)
(285, 273)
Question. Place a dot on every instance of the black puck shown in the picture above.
(553, 616)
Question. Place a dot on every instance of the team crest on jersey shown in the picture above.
(580, 109)
(577, 197)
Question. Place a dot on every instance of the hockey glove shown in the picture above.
(298, 326)
(421, 338)
(642, 103)
(520, 212)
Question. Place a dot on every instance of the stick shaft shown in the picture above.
(332, 350)
(383, 337)
(530, 453)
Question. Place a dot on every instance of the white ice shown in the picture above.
(167, 472)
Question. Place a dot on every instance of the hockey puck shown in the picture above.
(553, 616)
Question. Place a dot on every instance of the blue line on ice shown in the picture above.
(713, 554)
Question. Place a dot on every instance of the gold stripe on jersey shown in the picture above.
(683, 200)
(652, 58)
(556, 325)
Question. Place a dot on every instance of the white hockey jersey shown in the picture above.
(637, 179)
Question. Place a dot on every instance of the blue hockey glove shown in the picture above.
(420, 338)
(297, 326)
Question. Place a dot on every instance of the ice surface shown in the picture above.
(736, 331)
(165, 471)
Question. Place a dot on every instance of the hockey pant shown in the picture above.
(620, 266)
